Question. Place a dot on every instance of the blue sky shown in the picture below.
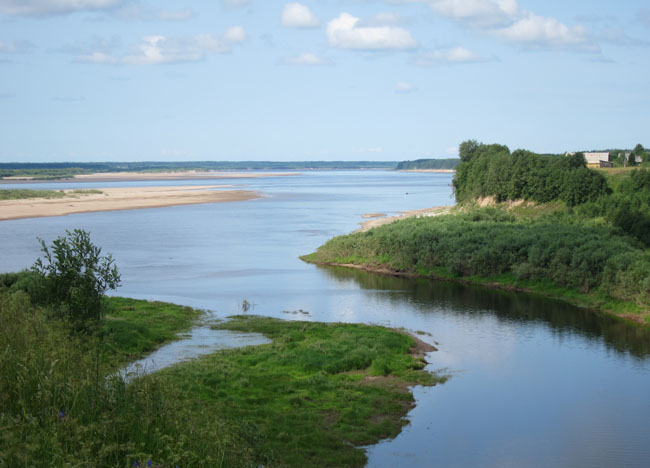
(129, 80)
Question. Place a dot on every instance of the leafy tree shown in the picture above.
(576, 160)
(74, 278)
(467, 149)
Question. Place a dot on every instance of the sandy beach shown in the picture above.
(135, 176)
(124, 198)
(378, 220)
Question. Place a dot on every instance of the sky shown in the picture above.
(189, 80)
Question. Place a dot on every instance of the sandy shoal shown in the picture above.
(171, 175)
(379, 221)
(439, 171)
(123, 198)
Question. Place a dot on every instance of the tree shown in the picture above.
(575, 160)
(467, 149)
(75, 277)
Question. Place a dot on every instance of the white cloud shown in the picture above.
(156, 50)
(383, 19)
(404, 87)
(344, 32)
(454, 55)
(306, 58)
(15, 47)
(295, 15)
(236, 34)
(542, 32)
(481, 13)
(54, 7)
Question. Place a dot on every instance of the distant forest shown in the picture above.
(57, 170)
(428, 164)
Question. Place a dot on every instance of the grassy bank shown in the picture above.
(585, 262)
(314, 394)
(303, 400)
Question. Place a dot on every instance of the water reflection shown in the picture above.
(506, 306)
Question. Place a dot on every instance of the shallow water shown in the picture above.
(535, 382)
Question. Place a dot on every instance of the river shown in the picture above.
(535, 382)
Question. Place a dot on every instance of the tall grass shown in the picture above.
(61, 406)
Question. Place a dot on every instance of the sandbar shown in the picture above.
(439, 171)
(375, 222)
(123, 198)
(135, 176)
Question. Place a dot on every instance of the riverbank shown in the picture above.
(149, 176)
(310, 398)
(123, 198)
(586, 265)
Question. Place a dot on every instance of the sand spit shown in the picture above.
(124, 198)
(372, 223)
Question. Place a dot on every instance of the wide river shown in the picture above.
(535, 383)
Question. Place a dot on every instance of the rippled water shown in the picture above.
(535, 383)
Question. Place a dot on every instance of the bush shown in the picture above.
(74, 277)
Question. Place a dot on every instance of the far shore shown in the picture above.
(149, 176)
(123, 198)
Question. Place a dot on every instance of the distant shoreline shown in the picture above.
(148, 176)
(123, 198)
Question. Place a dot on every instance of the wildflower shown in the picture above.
(136, 463)
(61, 415)
(149, 462)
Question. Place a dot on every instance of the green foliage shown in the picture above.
(428, 164)
(489, 242)
(60, 406)
(313, 394)
(628, 207)
(74, 278)
(300, 401)
(492, 171)
(132, 328)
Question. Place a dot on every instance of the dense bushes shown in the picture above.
(492, 171)
(490, 242)
(627, 208)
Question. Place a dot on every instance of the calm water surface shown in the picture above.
(536, 383)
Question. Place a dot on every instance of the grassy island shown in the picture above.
(539, 223)
(309, 398)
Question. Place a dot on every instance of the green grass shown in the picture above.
(22, 194)
(314, 394)
(133, 328)
(305, 400)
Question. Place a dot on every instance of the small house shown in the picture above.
(595, 159)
